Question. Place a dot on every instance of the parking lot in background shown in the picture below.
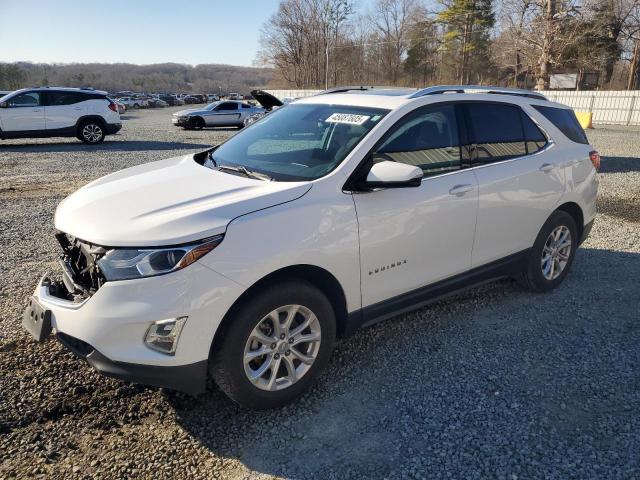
(494, 382)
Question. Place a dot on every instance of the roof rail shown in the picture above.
(477, 88)
(361, 88)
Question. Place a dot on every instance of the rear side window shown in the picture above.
(496, 130)
(426, 138)
(535, 139)
(565, 120)
(65, 98)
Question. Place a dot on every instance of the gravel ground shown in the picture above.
(495, 382)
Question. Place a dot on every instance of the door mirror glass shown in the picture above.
(387, 174)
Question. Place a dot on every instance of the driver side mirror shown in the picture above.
(387, 174)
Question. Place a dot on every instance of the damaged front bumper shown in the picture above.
(106, 323)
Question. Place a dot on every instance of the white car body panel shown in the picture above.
(22, 119)
(411, 237)
(167, 202)
(115, 319)
(61, 116)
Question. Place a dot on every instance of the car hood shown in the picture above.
(265, 99)
(190, 111)
(168, 202)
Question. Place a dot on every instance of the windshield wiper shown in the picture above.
(241, 169)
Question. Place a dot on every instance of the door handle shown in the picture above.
(78, 108)
(546, 167)
(36, 110)
(460, 190)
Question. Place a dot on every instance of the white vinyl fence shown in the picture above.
(292, 93)
(607, 107)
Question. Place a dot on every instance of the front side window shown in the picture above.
(300, 142)
(227, 106)
(29, 99)
(496, 131)
(426, 138)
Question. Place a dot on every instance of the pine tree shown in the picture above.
(467, 37)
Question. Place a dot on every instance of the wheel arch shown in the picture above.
(82, 120)
(576, 213)
(317, 276)
(198, 118)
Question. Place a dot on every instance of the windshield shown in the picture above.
(300, 141)
(211, 106)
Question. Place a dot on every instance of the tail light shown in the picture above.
(594, 156)
(113, 107)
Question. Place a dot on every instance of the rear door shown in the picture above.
(413, 237)
(519, 183)
(23, 113)
(64, 108)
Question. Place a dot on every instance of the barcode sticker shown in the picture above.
(347, 118)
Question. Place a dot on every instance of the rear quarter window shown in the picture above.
(564, 120)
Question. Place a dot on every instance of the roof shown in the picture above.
(64, 89)
(393, 97)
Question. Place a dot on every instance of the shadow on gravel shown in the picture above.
(620, 164)
(113, 146)
(474, 383)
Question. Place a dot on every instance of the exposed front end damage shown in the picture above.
(81, 276)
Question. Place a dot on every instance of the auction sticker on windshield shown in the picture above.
(349, 118)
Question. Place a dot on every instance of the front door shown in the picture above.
(24, 112)
(416, 236)
(225, 114)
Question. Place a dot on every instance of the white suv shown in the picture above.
(44, 112)
(246, 262)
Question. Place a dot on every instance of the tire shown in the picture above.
(238, 340)
(196, 123)
(136, 106)
(540, 275)
(91, 132)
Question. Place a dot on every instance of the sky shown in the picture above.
(134, 31)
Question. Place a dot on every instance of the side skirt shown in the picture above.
(423, 296)
(57, 132)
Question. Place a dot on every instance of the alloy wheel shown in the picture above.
(282, 347)
(556, 252)
(92, 133)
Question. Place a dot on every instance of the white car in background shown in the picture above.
(86, 114)
(246, 262)
(134, 102)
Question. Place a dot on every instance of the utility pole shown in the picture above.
(326, 66)
(632, 80)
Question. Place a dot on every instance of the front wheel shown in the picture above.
(552, 254)
(274, 346)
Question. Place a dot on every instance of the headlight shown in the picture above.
(129, 263)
